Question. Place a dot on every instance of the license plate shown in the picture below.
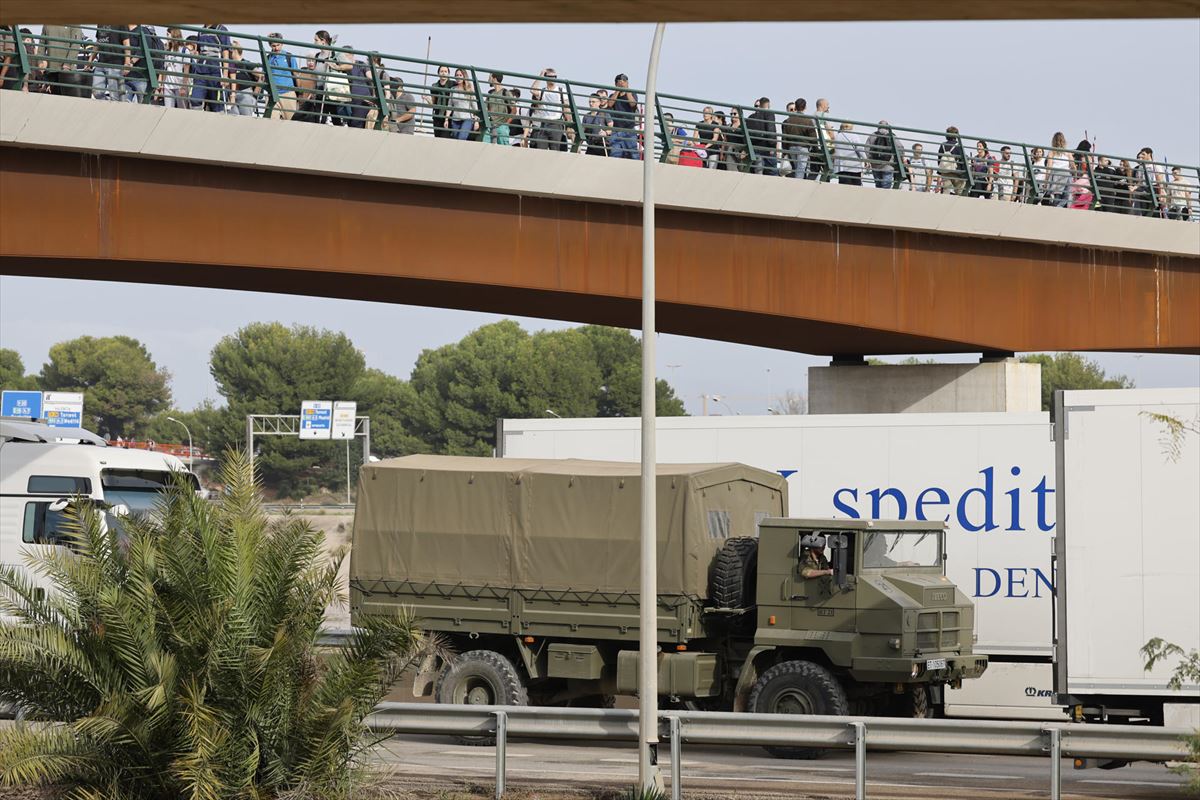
(935, 663)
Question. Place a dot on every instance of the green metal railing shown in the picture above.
(191, 67)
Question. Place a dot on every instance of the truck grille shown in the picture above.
(937, 630)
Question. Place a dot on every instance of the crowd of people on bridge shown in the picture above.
(209, 70)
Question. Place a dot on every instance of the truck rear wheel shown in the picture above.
(798, 687)
(481, 677)
(734, 573)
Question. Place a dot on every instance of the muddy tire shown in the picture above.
(915, 703)
(734, 573)
(798, 687)
(481, 677)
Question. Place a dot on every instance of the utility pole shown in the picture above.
(649, 777)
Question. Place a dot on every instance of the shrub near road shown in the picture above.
(179, 659)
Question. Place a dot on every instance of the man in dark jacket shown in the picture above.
(881, 150)
(764, 135)
(952, 166)
(799, 137)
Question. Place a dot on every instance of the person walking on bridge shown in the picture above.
(623, 113)
(799, 135)
(764, 138)
(281, 68)
(551, 114)
(882, 151)
(439, 98)
(499, 110)
(952, 164)
(211, 67)
(849, 156)
(462, 104)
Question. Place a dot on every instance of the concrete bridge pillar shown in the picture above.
(997, 383)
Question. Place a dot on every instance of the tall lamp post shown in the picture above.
(649, 776)
(191, 452)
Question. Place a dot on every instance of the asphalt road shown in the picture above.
(749, 772)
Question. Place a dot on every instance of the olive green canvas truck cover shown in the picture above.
(552, 524)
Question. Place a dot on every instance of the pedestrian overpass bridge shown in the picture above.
(124, 192)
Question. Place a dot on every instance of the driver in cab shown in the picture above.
(813, 563)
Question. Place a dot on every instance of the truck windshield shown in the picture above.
(137, 489)
(892, 549)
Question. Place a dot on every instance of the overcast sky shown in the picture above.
(1124, 84)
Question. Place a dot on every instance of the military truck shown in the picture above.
(529, 568)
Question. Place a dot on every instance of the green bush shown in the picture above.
(177, 658)
(1187, 670)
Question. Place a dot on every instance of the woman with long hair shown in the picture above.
(332, 80)
(733, 153)
(982, 165)
(1058, 172)
(462, 104)
(173, 84)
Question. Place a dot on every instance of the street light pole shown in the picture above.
(649, 777)
(191, 452)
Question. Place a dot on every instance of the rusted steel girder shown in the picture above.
(807, 287)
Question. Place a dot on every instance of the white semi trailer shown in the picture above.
(990, 476)
(1128, 550)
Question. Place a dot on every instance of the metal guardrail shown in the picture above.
(214, 69)
(310, 508)
(983, 737)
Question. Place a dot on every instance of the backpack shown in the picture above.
(360, 83)
(881, 150)
(157, 48)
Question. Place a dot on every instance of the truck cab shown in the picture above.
(44, 469)
(869, 602)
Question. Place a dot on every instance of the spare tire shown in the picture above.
(734, 575)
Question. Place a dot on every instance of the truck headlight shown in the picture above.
(916, 669)
(894, 643)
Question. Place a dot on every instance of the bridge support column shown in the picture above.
(994, 384)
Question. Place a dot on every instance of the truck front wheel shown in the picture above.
(481, 677)
(797, 687)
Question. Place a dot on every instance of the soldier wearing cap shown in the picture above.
(814, 564)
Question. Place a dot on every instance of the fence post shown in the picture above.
(676, 759)
(967, 165)
(1086, 163)
(1032, 190)
(828, 156)
(151, 73)
(576, 121)
(21, 55)
(860, 760)
(746, 137)
(272, 92)
(668, 135)
(1055, 762)
(485, 122)
(385, 109)
(501, 751)
(901, 172)
(1147, 169)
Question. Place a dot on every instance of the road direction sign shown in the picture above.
(63, 409)
(344, 412)
(24, 405)
(316, 417)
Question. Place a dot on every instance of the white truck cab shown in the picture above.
(43, 468)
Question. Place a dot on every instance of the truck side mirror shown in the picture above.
(840, 545)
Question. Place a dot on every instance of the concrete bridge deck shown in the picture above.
(159, 195)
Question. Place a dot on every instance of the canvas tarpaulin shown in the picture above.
(565, 524)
